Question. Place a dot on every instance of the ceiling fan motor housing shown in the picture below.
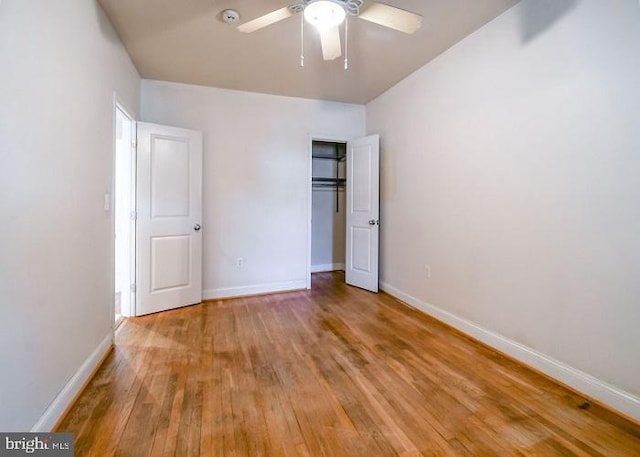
(351, 7)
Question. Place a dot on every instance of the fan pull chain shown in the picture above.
(346, 42)
(301, 40)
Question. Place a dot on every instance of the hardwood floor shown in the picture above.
(334, 371)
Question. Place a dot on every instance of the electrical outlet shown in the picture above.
(239, 262)
(427, 271)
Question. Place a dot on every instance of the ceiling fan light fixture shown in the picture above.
(324, 14)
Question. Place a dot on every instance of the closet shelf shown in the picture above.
(317, 179)
(330, 151)
(328, 183)
(336, 153)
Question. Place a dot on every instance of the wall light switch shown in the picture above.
(107, 202)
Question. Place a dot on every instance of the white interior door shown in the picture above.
(169, 213)
(363, 210)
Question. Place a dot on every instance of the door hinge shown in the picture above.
(134, 216)
(133, 288)
(134, 143)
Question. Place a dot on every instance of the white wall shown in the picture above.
(511, 165)
(256, 168)
(60, 63)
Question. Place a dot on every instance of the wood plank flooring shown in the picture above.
(335, 371)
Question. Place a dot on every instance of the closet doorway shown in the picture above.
(344, 209)
(328, 205)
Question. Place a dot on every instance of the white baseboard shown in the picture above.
(229, 292)
(327, 267)
(597, 389)
(67, 395)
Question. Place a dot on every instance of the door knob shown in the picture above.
(372, 222)
(197, 227)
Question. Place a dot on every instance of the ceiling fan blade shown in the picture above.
(265, 20)
(392, 17)
(330, 40)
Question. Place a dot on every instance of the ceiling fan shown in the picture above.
(328, 15)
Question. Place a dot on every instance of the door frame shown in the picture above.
(314, 137)
(119, 104)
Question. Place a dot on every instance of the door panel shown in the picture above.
(169, 177)
(361, 198)
(169, 193)
(361, 259)
(363, 159)
(170, 259)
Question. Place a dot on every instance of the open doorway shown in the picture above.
(328, 184)
(124, 214)
(344, 209)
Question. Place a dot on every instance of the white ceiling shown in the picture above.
(186, 41)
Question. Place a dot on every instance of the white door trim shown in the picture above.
(118, 104)
(314, 137)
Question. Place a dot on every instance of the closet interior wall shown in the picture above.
(328, 206)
